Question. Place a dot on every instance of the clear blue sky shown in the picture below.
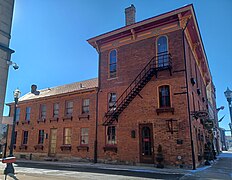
(49, 39)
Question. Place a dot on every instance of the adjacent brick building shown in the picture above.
(151, 91)
(57, 122)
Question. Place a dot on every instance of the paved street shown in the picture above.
(33, 170)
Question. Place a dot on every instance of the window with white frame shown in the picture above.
(84, 136)
(85, 106)
(111, 135)
(112, 101)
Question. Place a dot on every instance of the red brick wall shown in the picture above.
(196, 101)
(76, 124)
(131, 59)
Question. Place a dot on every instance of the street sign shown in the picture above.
(201, 114)
(9, 160)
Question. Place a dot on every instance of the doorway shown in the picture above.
(52, 146)
(146, 143)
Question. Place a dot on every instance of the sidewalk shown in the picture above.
(220, 169)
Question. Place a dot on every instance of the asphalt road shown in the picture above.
(70, 170)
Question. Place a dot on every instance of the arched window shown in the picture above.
(113, 63)
(164, 96)
(146, 141)
(162, 51)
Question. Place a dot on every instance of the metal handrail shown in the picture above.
(166, 61)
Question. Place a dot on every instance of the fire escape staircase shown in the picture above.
(157, 63)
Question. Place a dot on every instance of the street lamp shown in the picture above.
(228, 94)
(9, 166)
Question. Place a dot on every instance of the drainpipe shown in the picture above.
(98, 89)
(187, 88)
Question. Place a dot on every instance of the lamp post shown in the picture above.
(228, 94)
(9, 166)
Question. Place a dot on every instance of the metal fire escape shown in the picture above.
(158, 63)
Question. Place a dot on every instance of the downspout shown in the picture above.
(96, 122)
(187, 88)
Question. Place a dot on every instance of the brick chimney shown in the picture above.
(33, 88)
(130, 15)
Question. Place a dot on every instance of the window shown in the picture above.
(85, 106)
(112, 101)
(69, 108)
(162, 51)
(15, 137)
(41, 137)
(67, 135)
(28, 113)
(17, 114)
(84, 136)
(25, 137)
(56, 110)
(164, 96)
(43, 111)
(111, 135)
(113, 63)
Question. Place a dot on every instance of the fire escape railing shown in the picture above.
(158, 63)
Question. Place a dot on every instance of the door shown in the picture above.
(162, 51)
(53, 137)
(146, 143)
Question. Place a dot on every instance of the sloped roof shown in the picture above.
(67, 88)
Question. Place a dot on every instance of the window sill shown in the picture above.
(164, 110)
(14, 146)
(67, 147)
(23, 147)
(113, 78)
(41, 120)
(67, 117)
(54, 119)
(83, 116)
(25, 122)
(83, 147)
(110, 148)
(38, 147)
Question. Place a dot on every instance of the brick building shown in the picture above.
(59, 121)
(151, 91)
